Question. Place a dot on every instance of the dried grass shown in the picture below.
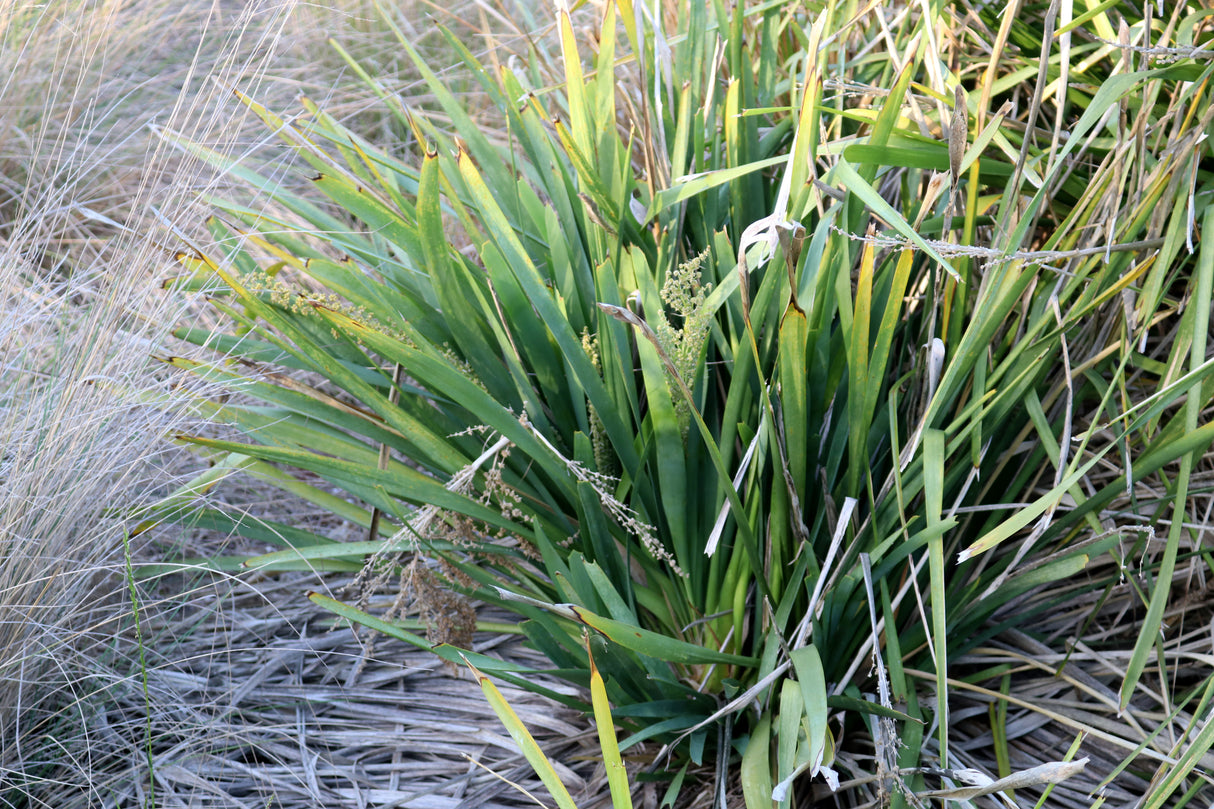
(258, 701)
(86, 193)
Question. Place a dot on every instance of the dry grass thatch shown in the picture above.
(253, 700)
(89, 687)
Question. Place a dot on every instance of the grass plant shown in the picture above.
(798, 355)
(85, 187)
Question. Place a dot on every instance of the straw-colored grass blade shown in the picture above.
(526, 743)
(617, 776)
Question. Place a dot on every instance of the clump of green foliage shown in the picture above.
(761, 349)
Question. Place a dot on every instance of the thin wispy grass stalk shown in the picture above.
(85, 192)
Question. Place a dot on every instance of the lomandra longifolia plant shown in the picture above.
(773, 353)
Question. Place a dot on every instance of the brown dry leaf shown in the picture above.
(958, 133)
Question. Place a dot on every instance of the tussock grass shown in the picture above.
(87, 194)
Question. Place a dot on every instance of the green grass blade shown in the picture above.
(859, 379)
(1197, 326)
(933, 488)
(756, 766)
(811, 678)
(650, 643)
(847, 177)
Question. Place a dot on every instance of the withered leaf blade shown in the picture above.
(1053, 772)
(958, 134)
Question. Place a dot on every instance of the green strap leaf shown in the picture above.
(641, 640)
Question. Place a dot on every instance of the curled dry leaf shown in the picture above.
(1053, 772)
(958, 134)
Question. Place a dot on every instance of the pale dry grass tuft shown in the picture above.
(87, 191)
